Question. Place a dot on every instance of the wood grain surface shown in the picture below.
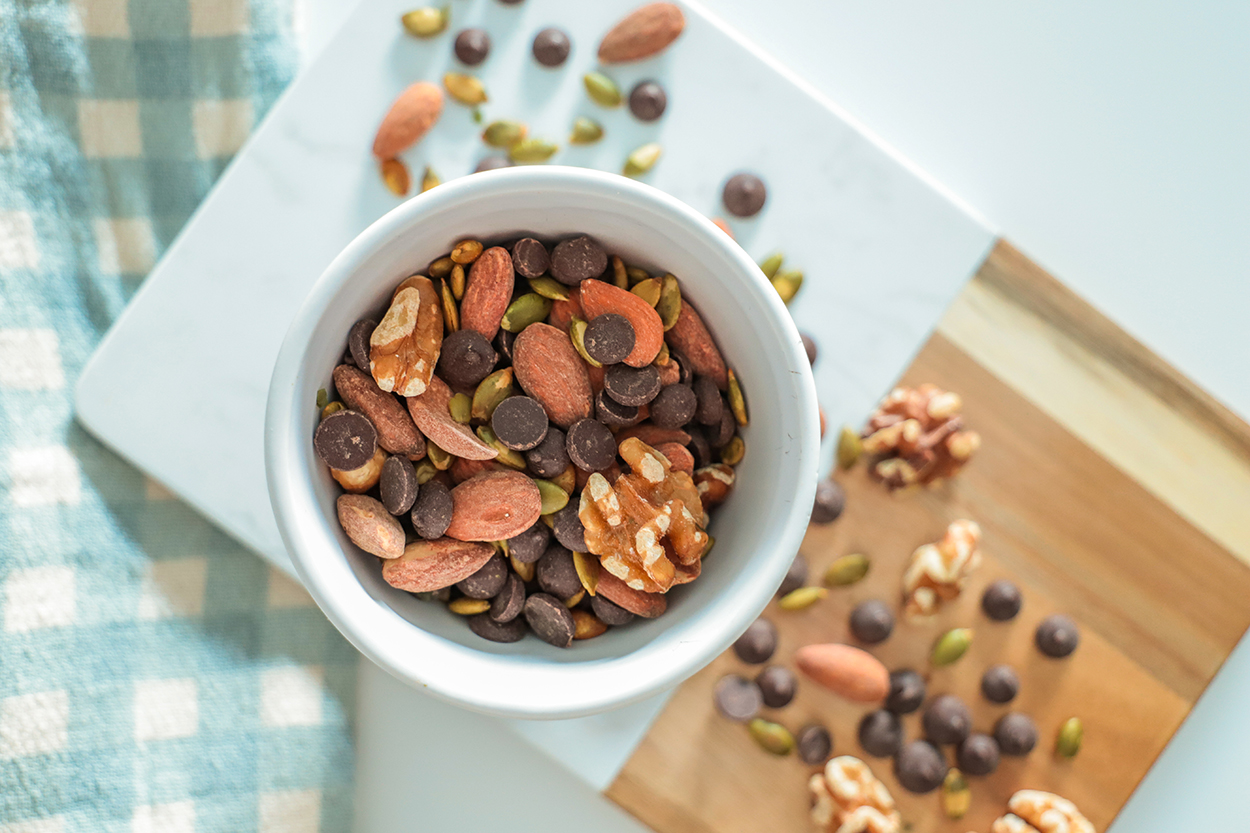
(1159, 600)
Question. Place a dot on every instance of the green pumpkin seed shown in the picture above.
(553, 497)
(588, 567)
(323, 398)
(429, 179)
(441, 459)
(956, 797)
(465, 606)
(663, 357)
(850, 446)
(636, 274)
(577, 333)
(464, 88)
(950, 646)
(532, 150)
(847, 570)
(620, 275)
(771, 264)
(332, 408)
(396, 177)
(737, 403)
(802, 598)
(509, 457)
(585, 131)
(427, 21)
(669, 305)
(707, 548)
(733, 452)
(504, 133)
(574, 600)
(642, 159)
(549, 287)
(648, 290)
(525, 570)
(460, 405)
(772, 737)
(1068, 741)
(458, 281)
(602, 89)
(451, 313)
(441, 268)
(529, 308)
(492, 390)
(788, 284)
(425, 472)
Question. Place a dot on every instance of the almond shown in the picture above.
(491, 280)
(410, 117)
(670, 374)
(637, 602)
(595, 374)
(642, 33)
(548, 368)
(397, 433)
(404, 347)
(426, 566)
(494, 506)
(850, 672)
(370, 526)
(653, 435)
(690, 337)
(563, 312)
(598, 298)
(678, 457)
(463, 469)
(430, 413)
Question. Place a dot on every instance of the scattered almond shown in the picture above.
(370, 526)
(642, 33)
(494, 506)
(411, 116)
(426, 566)
(549, 369)
(847, 671)
(431, 414)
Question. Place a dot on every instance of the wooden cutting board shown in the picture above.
(1108, 486)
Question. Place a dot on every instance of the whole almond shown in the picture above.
(411, 116)
(426, 566)
(370, 526)
(646, 605)
(678, 457)
(653, 435)
(564, 311)
(463, 468)
(404, 347)
(431, 414)
(489, 290)
(642, 33)
(599, 298)
(850, 672)
(690, 337)
(548, 368)
(494, 506)
(397, 433)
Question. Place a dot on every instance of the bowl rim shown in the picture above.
(362, 620)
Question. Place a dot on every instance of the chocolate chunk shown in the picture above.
(632, 385)
(556, 573)
(1001, 600)
(551, 47)
(880, 733)
(488, 628)
(519, 422)
(431, 514)
(472, 46)
(550, 457)
(549, 619)
(398, 485)
(830, 501)
(1016, 734)
(809, 345)
(947, 720)
(647, 100)
(872, 621)
(573, 261)
(568, 529)
(718, 436)
(345, 440)
(907, 691)
(977, 755)
(737, 698)
(685, 372)
(1000, 684)
(699, 448)
(796, 576)
(503, 345)
(920, 767)
(674, 406)
(710, 404)
(487, 581)
(757, 643)
(610, 412)
(609, 338)
(744, 195)
(1056, 636)
(530, 258)
(466, 359)
(610, 613)
(530, 545)
(358, 342)
(490, 163)
(591, 445)
(508, 603)
(778, 685)
(815, 744)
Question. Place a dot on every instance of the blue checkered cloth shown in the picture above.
(155, 677)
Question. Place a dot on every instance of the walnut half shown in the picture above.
(848, 798)
(404, 348)
(936, 572)
(1035, 811)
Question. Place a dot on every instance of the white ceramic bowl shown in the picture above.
(757, 531)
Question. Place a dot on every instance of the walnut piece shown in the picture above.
(937, 572)
(1045, 812)
(404, 348)
(848, 798)
(645, 527)
(917, 437)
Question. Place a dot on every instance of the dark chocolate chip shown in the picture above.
(1016, 734)
(880, 733)
(519, 422)
(699, 448)
(358, 342)
(551, 47)
(491, 163)
(907, 691)
(591, 445)
(530, 258)
(830, 501)
(568, 529)
(815, 744)
(718, 436)
(809, 345)
(488, 628)
(778, 685)
(508, 603)
(431, 514)
(472, 46)
(737, 698)
(1001, 600)
(872, 621)
(487, 581)
(947, 720)
(685, 372)
(757, 643)
(977, 755)
(647, 100)
(549, 619)
(398, 485)
(674, 406)
(530, 545)
(610, 412)
(610, 613)
(345, 440)
(348, 358)
(632, 385)
(503, 345)
(609, 338)
(556, 573)
(550, 457)
(711, 405)
(920, 767)
(796, 576)
(1056, 636)
(1000, 684)
(744, 195)
(466, 359)
(573, 261)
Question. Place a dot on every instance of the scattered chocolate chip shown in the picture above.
(491, 163)
(551, 47)
(488, 628)
(345, 440)
(472, 46)
(550, 457)
(674, 406)
(809, 345)
(398, 485)
(710, 404)
(1001, 600)
(920, 767)
(508, 603)
(466, 359)
(568, 529)
(977, 755)
(699, 449)
(609, 338)
(610, 613)
(907, 691)
(503, 344)
(591, 445)
(744, 195)
(647, 100)
(487, 581)
(737, 698)
(872, 621)
(830, 501)
(1056, 636)
(556, 573)
(530, 545)
(1000, 684)
(815, 744)
(947, 720)
(720, 435)
(431, 514)
(549, 619)
(1016, 734)
(610, 412)
(358, 342)
(796, 576)
(573, 261)
(880, 733)
(757, 643)
(530, 258)
(778, 685)
(519, 422)
(632, 385)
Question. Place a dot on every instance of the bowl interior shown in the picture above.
(757, 530)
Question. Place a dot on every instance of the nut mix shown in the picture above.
(483, 461)
(916, 436)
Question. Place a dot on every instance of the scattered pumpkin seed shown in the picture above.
(427, 21)
(802, 598)
(466, 251)
(468, 607)
(847, 570)
(1068, 741)
(642, 159)
(787, 284)
(323, 398)
(572, 601)
(532, 150)
(464, 88)
(477, 115)
(602, 89)
(451, 313)
(504, 133)
(441, 268)
(950, 646)
(585, 131)
(771, 264)
(636, 274)
(396, 177)
(772, 737)
(460, 405)
(549, 287)
(509, 457)
(620, 275)
(956, 797)
(588, 568)
(425, 471)
(648, 290)
(331, 408)
(737, 403)
(492, 390)
(525, 571)
(441, 459)
(552, 496)
(850, 446)
(733, 452)
(458, 281)
(429, 179)
(669, 305)
(527, 309)
(567, 479)
(577, 333)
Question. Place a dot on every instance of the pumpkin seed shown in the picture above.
(847, 570)
(396, 177)
(458, 281)
(443, 594)
(585, 131)
(552, 496)
(465, 88)
(441, 268)
(663, 357)
(636, 274)
(620, 275)
(504, 133)
(509, 457)
(956, 797)
(502, 547)
(525, 571)
(466, 251)
(1068, 741)
(572, 601)
(771, 264)
(602, 89)
(577, 333)
(707, 548)
(549, 287)
(850, 446)
(492, 390)
(788, 284)
(429, 179)
(451, 313)
(737, 403)
(425, 471)
(323, 398)
(567, 479)
(468, 607)
(426, 22)
(802, 598)
(587, 625)
(734, 451)
(331, 408)
(529, 308)
(772, 737)
(642, 159)
(459, 405)
(648, 290)
(441, 459)
(950, 646)
(532, 150)
(669, 305)
(588, 568)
